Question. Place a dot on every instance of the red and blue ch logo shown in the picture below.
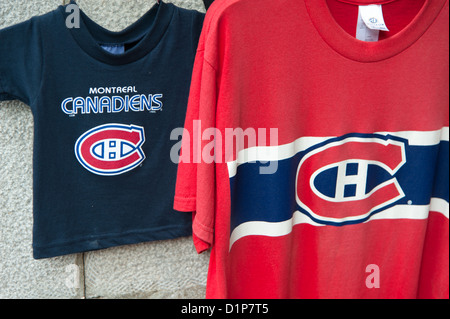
(346, 180)
(111, 149)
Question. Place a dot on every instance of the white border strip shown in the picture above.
(440, 205)
(281, 152)
(277, 229)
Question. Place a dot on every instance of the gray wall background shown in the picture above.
(165, 269)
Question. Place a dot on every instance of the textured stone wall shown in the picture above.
(164, 269)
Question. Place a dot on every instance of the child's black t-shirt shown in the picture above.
(104, 105)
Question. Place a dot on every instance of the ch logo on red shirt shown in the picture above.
(111, 149)
(346, 180)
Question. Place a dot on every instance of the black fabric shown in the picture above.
(102, 171)
(208, 3)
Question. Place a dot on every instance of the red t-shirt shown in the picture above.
(339, 185)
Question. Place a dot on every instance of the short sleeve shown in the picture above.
(21, 61)
(195, 186)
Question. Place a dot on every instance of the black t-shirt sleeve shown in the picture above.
(21, 61)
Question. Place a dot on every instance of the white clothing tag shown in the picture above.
(363, 33)
(372, 16)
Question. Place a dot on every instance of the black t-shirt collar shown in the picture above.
(147, 31)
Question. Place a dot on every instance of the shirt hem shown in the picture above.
(203, 236)
(184, 204)
(109, 241)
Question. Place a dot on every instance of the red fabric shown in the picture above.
(284, 64)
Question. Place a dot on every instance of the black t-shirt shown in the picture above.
(104, 105)
(207, 3)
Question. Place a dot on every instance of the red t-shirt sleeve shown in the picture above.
(196, 179)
